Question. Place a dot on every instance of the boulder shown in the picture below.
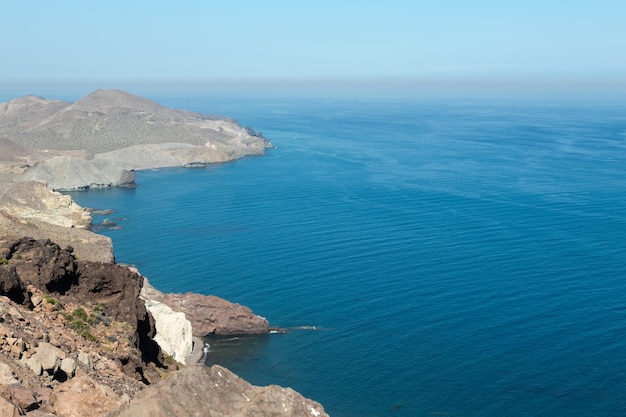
(85, 359)
(215, 391)
(34, 364)
(6, 375)
(22, 397)
(68, 366)
(49, 356)
(83, 397)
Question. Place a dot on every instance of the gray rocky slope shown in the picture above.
(119, 132)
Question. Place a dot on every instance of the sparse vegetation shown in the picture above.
(82, 323)
(4, 261)
(53, 301)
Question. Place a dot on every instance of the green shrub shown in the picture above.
(82, 329)
(49, 299)
(80, 313)
(81, 323)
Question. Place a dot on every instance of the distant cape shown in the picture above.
(101, 138)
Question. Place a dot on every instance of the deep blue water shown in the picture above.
(457, 258)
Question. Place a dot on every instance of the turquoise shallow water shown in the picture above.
(455, 258)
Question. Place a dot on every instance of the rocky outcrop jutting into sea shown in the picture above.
(98, 140)
(77, 339)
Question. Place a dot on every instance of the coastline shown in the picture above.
(197, 352)
(48, 214)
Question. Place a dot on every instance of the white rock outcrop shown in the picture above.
(174, 333)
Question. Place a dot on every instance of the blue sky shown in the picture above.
(390, 41)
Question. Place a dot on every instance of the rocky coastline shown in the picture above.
(81, 335)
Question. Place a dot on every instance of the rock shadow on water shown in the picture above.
(226, 350)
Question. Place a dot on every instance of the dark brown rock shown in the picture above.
(42, 264)
(10, 284)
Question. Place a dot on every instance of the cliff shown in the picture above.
(76, 339)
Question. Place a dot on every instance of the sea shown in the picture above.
(427, 257)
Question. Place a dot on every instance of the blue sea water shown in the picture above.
(456, 258)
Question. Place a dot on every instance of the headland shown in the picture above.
(80, 334)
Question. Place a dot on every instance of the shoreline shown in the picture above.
(29, 206)
(197, 352)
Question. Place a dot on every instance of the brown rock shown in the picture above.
(210, 315)
(82, 397)
(17, 348)
(6, 375)
(43, 264)
(215, 391)
(8, 409)
(36, 300)
(23, 397)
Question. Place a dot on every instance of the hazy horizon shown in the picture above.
(279, 47)
(602, 90)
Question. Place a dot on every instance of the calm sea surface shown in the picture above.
(455, 258)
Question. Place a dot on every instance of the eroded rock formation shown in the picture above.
(215, 391)
(210, 315)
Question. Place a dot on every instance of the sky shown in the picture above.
(391, 43)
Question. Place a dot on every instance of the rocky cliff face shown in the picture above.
(30, 209)
(77, 340)
(40, 265)
(173, 331)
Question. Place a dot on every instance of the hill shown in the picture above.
(107, 120)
